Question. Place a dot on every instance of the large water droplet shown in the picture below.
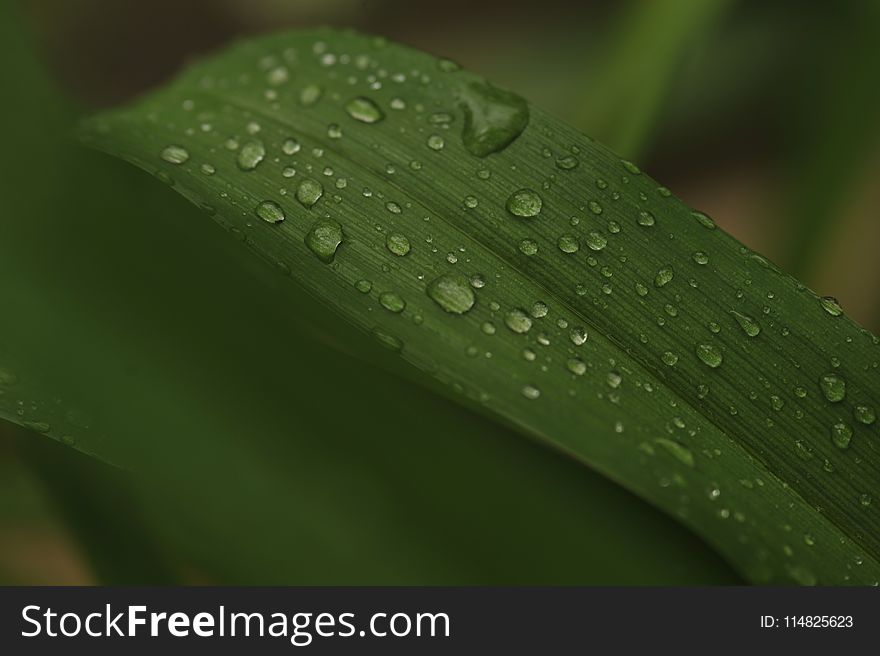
(175, 154)
(270, 212)
(750, 326)
(709, 355)
(309, 191)
(841, 435)
(324, 238)
(452, 293)
(595, 241)
(364, 110)
(250, 155)
(568, 244)
(864, 414)
(525, 203)
(493, 118)
(833, 387)
(518, 321)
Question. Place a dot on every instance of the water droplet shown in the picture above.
(669, 358)
(595, 207)
(524, 203)
(493, 118)
(680, 453)
(435, 142)
(578, 336)
(664, 277)
(364, 110)
(528, 247)
(363, 286)
(645, 218)
(595, 241)
(207, 169)
(750, 327)
(539, 309)
(865, 500)
(831, 306)
(324, 238)
(777, 403)
(270, 212)
(833, 387)
(250, 155)
(290, 146)
(629, 166)
(478, 281)
(518, 321)
(841, 435)
(452, 293)
(531, 392)
(709, 354)
(309, 191)
(175, 154)
(613, 379)
(567, 162)
(397, 244)
(568, 244)
(863, 413)
(310, 94)
(576, 366)
(701, 258)
(703, 220)
(392, 302)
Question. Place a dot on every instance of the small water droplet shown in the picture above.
(363, 286)
(452, 293)
(310, 94)
(864, 414)
(841, 435)
(518, 321)
(364, 110)
(664, 277)
(701, 258)
(709, 355)
(833, 387)
(397, 244)
(613, 379)
(831, 306)
(392, 302)
(290, 146)
(250, 155)
(568, 244)
(270, 212)
(524, 203)
(865, 500)
(576, 366)
(578, 336)
(703, 220)
(749, 326)
(528, 247)
(175, 154)
(595, 241)
(629, 166)
(567, 162)
(309, 191)
(531, 392)
(680, 453)
(645, 218)
(669, 358)
(324, 238)
(539, 309)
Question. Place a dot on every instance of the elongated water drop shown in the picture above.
(452, 293)
(831, 306)
(175, 154)
(493, 118)
(364, 110)
(531, 392)
(841, 435)
(703, 220)
(270, 212)
(576, 366)
(524, 203)
(309, 192)
(709, 355)
(833, 387)
(324, 238)
(392, 302)
(750, 326)
(676, 450)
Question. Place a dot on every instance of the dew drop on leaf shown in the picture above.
(664, 277)
(452, 293)
(518, 321)
(290, 146)
(864, 414)
(749, 326)
(709, 355)
(392, 302)
(310, 94)
(645, 218)
(493, 118)
(324, 238)
(528, 247)
(833, 387)
(568, 244)
(175, 154)
(677, 451)
(309, 191)
(364, 110)
(595, 241)
(531, 392)
(524, 203)
(250, 155)
(270, 212)
(703, 220)
(576, 366)
(831, 306)
(841, 435)
(398, 244)
(701, 258)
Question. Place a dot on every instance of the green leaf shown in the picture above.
(601, 314)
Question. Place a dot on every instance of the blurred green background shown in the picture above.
(256, 447)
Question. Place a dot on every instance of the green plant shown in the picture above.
(537, 276)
